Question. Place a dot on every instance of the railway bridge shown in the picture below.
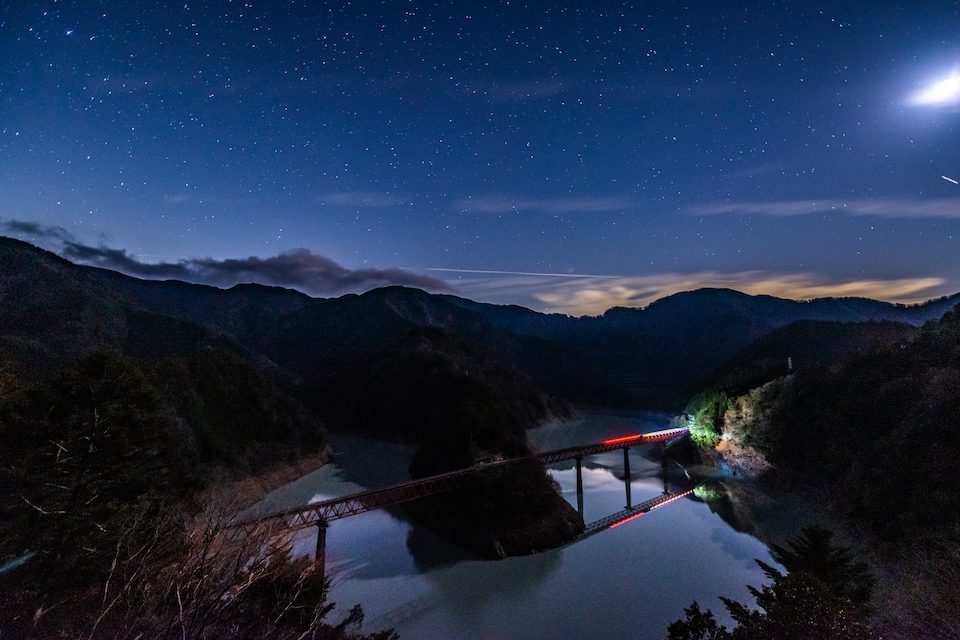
(321, 514)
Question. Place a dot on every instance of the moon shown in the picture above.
(944, 92)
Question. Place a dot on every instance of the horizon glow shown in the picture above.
(566, 159)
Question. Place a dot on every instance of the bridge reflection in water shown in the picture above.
(632, 513)
(320, 514)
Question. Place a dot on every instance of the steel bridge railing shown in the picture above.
(320, 513)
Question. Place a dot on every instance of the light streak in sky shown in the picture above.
(950, 180)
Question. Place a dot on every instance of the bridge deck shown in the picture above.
(337, 508)
(625, 515)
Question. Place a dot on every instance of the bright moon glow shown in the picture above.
(945, 91)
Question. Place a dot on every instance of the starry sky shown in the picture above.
(564, 156)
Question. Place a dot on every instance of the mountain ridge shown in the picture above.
(650, 356)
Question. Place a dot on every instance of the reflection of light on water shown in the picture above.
(626, 520)
(677, 497)
(547, 595)
(593, 478)
(656, 506)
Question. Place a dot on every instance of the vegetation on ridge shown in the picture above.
(825, 593)
(874, 437)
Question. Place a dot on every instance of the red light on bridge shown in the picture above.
(664, 432)
(626, 520)
(623, 439)
(682, 495)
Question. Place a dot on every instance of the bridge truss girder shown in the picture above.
(338, 508)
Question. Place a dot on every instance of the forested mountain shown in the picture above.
(119, 394)
(872, 422)
(868, 426)
(653, 356)
(316, 348)
(805, 344)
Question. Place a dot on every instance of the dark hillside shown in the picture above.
(249, 313)
(880, 419)
(654, 356)
(874, 437)
(55, 317)
(429, 383)
(52, 311)
(808, 344)
(666, 350)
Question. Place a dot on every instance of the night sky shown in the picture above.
(567, 158)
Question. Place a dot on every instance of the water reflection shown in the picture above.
(431, 551)
(629, 581)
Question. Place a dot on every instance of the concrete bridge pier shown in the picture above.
(320, 556)
(626, 475)
(663, 467)
(580, 486)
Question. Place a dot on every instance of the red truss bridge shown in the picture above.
(319, 514)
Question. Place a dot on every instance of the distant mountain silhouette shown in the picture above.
(654, 356)
(677, 342)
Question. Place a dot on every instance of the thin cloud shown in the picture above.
(506, 204)
(299, 269)
(580, 294)
(546, 274)
(877, 207)
(36, 230)
(594, 297)
(362, 199)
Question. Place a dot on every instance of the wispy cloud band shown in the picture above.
(300, 268)
(579, 294)
(508, 204)
(878, 207)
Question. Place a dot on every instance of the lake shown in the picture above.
(626, 582)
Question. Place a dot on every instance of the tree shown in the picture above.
(824, 595)
(813, 552)
(173, 573)
(97, 486)
(697, 625)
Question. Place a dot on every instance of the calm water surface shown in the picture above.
(626, 582)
